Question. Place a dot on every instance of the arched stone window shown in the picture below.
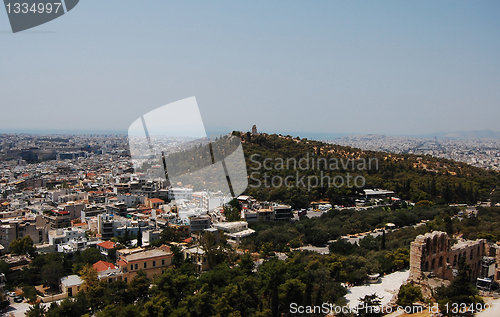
(440, 262)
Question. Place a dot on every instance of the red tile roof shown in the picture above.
(107, 245)
(103, 266)
(156, 200)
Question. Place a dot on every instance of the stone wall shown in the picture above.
(433, 254)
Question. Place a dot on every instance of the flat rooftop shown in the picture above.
(241, 234)
(148, 254)
(369, 192)
(229, 225)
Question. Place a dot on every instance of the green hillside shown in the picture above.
(271, 158)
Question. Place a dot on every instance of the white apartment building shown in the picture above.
(180, 193)
(63, 236)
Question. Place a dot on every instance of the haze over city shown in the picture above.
(396, 68)
(352, 165)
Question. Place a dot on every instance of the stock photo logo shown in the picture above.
(27, 14)
(170, 143)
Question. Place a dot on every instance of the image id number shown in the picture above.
(34, 8)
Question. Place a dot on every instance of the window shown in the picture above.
(125, 279)
(154, 263)
(145, 265)
(131, 267)
(163, 262)
(136, 266)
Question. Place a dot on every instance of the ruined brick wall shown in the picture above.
(433, 253)
(416, 258)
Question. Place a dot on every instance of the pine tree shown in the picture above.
(139, 237)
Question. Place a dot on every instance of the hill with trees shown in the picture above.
(411, 177)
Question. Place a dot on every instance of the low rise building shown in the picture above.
(153, 202)
(106, 247)
(57, 219)
(13, 213)
(73, 245)
(107, 271)
(176, 193)
(153, 261)
(149, 236)
(235, 231)
(117, 209)
(130, 200)
(92, 211)
(8, 233)
(74, 209)
(71, 285)
(199, 223)
(282, 213)
(35, 228)
(63, 236)
(198, 257)
(105, 226)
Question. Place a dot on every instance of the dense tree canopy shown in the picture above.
(22, 245)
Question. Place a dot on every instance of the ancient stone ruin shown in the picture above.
(432, 255)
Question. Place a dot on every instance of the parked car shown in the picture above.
(18, 299)
(11, 294)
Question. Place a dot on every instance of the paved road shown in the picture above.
(18, 309)
(320, 250)
(386, 288)
(355, 239)
(494, 308)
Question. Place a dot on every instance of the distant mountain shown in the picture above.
(476, 134)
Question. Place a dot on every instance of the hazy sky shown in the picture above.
(403, 67)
